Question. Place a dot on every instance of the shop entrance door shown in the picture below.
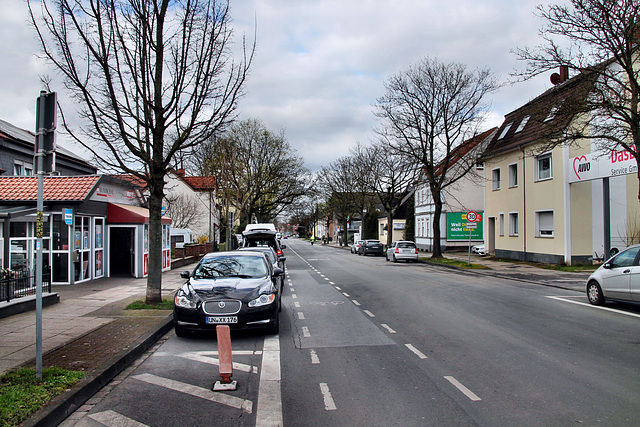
(122, 251)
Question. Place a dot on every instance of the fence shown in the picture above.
(22, 283)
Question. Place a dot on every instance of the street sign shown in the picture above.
(471, 225)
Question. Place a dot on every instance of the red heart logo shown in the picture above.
(577, 159)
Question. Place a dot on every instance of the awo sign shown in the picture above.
(596, 165)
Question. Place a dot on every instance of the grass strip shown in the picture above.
(166, 304)
(454, 262)
(22, 394)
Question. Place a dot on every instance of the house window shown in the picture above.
(505, 130)
(513, 223)
(552, 113)
(501, 224)
(522, 124)
(495, 176)
(513, 175)
(544, 224)
(17, 168)
(543, 167)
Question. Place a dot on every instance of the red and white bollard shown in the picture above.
(225, 360)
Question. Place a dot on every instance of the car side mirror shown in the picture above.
(278, 272)
(282, 258)
(185, 274)
(283, 246)
(607, 265)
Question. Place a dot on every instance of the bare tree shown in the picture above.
(139, 71)
(182, 209)
(598, 38)
(388, 175)
(428, 110)
(257, 170)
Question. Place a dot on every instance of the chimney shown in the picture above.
(556, 78)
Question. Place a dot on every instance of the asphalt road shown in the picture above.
(369, 342)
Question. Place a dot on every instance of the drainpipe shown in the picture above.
(524, 203)
(567, 206)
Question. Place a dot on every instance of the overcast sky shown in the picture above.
(321, 64)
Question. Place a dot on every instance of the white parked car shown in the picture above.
(402, 250)
(479, 249)
(616, 279)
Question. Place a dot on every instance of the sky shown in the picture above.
(320, 65)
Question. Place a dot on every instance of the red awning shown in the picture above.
(125, 214)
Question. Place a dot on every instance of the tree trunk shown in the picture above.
(437, 202)
(154, 278)
(389, 228)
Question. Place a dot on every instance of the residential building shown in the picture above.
(458, 198)
(539, 205)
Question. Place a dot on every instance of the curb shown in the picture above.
(65, 404)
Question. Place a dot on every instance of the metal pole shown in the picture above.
(606, 213)
(40, 207)
(469, 260)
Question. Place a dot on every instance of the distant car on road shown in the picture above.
(277, 261)
(371, 247)
(616, 279)
(402, 250)
(356, 246)
(237, 288)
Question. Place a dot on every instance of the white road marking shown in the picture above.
(204, 393)
(355, 302)
(300, 315)
(294, 296)
(388, 328)
(314, 357)
(597, 307)
(329, 404)
(326, 278)
(338, 288)
(331, 283)
(471, 395)
(269, 412)
(199, 357)
(296, 304)
(370, 314)
(292, 290)
(305, 332)
(345, 294)
(114, 419)
(416, 351)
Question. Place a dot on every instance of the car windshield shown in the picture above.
(406, 245)
(231, 266)
(626, 258)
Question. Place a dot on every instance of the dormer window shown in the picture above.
(522, 124)
(552, 113)
(505, 130)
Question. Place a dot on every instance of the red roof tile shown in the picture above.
(58, 188)
(201, 183)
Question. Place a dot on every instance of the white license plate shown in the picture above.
(222, 320)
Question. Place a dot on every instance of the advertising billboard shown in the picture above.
(457, 227)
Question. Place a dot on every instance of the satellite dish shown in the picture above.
(555, 78)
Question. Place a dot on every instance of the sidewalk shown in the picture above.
(89, 330)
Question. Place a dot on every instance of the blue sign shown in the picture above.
(68, 216)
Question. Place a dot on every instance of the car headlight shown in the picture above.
(182, 299)
(264, 299)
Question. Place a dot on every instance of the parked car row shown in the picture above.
(241, 289)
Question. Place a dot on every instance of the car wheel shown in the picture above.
(180, 331)
(394, 258)
(594, 293)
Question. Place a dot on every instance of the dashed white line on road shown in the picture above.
(417, 352)
(314, 357)
(329, 404)
(326, 278)
(355, 302)
(345, 294)
(370, 314)
(204, 393)
(269, 412)
(338, 288)
(305, 332)
(112, 418)
(331, 283)
(296, 304)
(300, 315)
(388, 328)
(471, 395)
(294, 296)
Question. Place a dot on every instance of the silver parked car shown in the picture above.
(616, 279)
(402, 250)
(356, 246)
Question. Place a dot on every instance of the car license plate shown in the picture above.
(222, 320)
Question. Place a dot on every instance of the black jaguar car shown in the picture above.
(239, 289)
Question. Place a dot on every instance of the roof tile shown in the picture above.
(58, 188)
